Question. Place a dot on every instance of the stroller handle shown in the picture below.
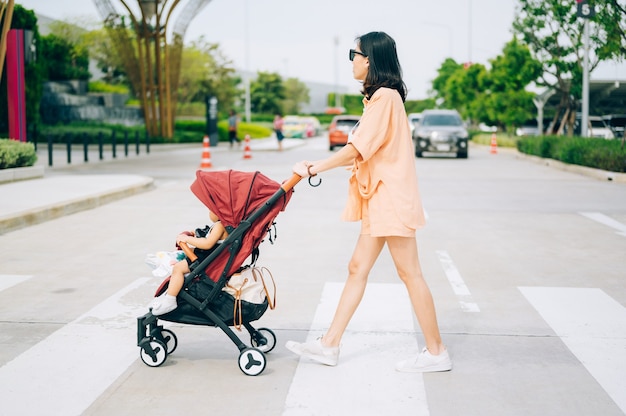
(291, 182)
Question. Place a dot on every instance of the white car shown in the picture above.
(414, 118)
(598, 128)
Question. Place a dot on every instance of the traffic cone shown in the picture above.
(494, 144)
(247, 153)
(206, 154)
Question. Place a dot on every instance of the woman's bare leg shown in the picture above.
(363, 258)
(405, 257)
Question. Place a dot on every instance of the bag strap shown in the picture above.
(258, 273)
(237, 314)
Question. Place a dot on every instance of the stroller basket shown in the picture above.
(247, 204)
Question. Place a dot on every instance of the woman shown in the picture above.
(383, 194)
(278, 129)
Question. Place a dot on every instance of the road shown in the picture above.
(525, 262)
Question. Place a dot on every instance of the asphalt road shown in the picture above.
(525, 262)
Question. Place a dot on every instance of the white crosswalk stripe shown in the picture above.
(380, 334)
(68, 370)
(593, 326)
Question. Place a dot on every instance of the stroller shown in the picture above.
(247, 204)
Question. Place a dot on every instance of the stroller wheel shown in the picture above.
(264, 339)
(154, 354)
(169, 339)
(252, 361)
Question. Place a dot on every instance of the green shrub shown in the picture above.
(101, 86)
(595, 153)
(14, 154)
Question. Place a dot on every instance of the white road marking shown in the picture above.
(458, 285)
(593, 326)
(606, 220)
(364, 382)
(64, 374)
(9, 280)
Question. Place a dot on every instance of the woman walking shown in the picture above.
(383, 194)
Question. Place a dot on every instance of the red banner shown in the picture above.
(16, 87)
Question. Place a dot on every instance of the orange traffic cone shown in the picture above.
(494, 144)
(206, 154)
(247, 153)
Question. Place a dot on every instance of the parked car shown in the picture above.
(340, 128)
(312, 126)
(414, 118)
(617, 124)
(598, 128)
(528, 128)
(294, 127)
(441, 131)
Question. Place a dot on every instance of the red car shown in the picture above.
(339, 130)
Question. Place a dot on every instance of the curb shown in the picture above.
(19, 174)
(38, 215)
(583, 170)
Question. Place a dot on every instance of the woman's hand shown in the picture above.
(301, 168)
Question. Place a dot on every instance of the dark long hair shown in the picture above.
(384, 66)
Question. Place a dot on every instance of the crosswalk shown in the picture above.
(63, 374)
(593, 326)
(69, 370)
(381, 331)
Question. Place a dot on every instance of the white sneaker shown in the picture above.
(426, 363)
(315, 351)
(163, 304)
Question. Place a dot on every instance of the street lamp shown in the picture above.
(148, 8)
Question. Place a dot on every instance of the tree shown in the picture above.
(206, 72)
(297, 93)
(509, 103)
(554, 34)
(63, 60)
(266, 93)
(612, 17)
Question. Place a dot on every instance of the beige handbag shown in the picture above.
(254, 285)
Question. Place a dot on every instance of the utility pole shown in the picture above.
(586, 11)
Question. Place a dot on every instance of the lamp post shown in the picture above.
(248, 105)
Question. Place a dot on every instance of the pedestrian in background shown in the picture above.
(233, 123)
(383, 194)
(278, 129)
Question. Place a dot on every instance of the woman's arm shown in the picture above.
(344, 157)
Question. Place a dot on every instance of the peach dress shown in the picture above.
(383, 191)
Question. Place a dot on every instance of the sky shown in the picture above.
(310, 40)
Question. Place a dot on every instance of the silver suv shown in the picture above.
(441, 131)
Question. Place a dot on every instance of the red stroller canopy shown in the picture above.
(233, 196)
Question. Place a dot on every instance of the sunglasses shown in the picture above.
(353, 52)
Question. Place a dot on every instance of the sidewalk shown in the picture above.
(27, 202)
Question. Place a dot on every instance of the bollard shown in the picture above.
(114, 144)
(147, 142)
(137, 142)
(85, 148)
(126, 143)
(49, 150)
(100, 145)
(69, 148)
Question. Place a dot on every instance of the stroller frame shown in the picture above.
(156, 342)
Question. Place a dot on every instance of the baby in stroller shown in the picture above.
(203, 247)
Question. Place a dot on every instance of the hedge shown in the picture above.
(608, 155)
(15, 154)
